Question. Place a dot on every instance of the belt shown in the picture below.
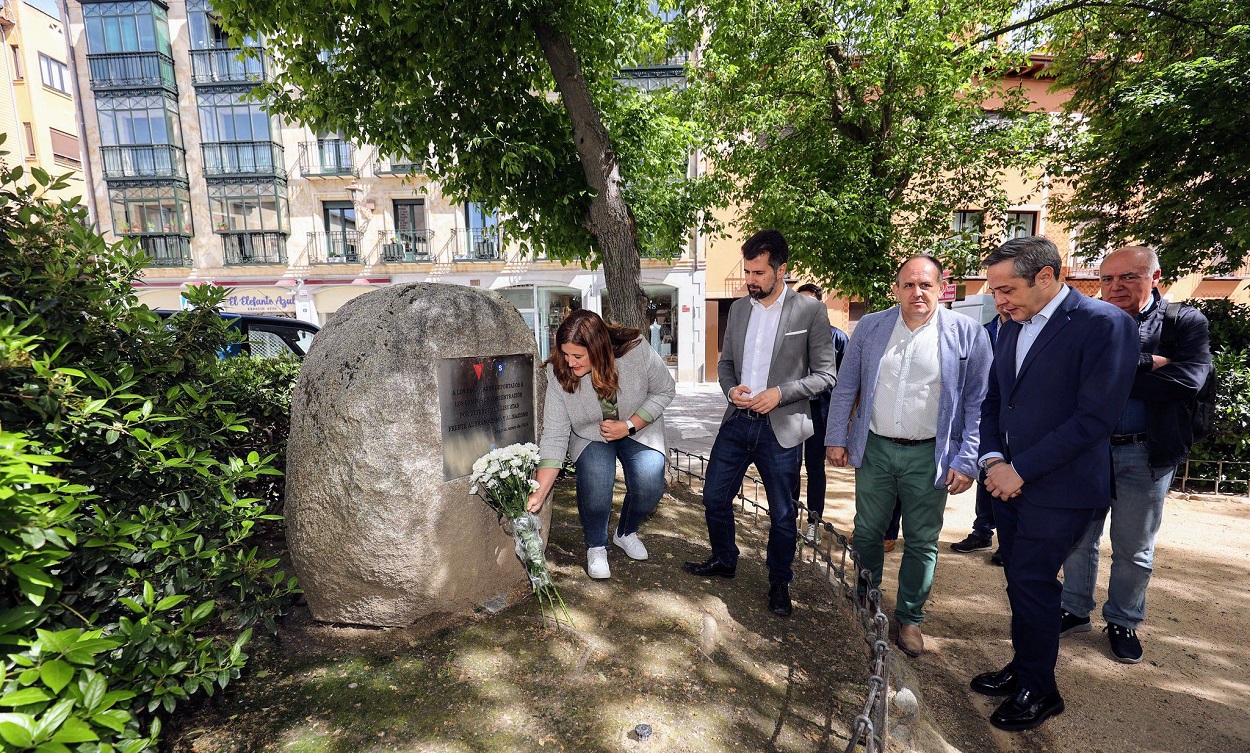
(908, 442)
(1119, 439)
(753, 414)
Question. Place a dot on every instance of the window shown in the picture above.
(1019, 225)
(151, 119)
(230, 117)
(157, 210)
(30, 139)
(17, 62)
(205, 31)
(410, 215)
(65, 147)
(251, 207)
(968, 223)
(126, 27)
(55, 73)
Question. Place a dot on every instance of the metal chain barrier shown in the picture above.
(836, 560)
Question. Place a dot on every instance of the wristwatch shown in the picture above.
(632, 429)
(991, 462)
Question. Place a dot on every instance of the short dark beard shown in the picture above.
(763, 293)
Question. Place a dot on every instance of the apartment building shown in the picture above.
(37, 108)
(298, 223)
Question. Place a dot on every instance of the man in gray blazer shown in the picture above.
(914, 376)
(777, 353)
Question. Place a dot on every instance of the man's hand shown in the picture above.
(837, 456)
(1159, 362)
(740, 396)
(1002, 481)
(956, 482)
(766, 400)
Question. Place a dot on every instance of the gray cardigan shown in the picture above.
(571, 420)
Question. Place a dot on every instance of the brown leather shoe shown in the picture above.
(889, 544)
(910, 640)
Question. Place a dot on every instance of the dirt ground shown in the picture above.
(709, 669)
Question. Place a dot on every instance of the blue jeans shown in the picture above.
(1136, 512)
(740, 442)
(596, 479)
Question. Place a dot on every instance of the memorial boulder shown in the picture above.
(404, 388)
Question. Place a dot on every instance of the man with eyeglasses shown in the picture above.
(1153, 436)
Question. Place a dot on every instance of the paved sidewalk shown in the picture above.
(1190, 693)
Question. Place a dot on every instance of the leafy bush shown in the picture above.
(261, 388)
(133, 577)
(1230, 347)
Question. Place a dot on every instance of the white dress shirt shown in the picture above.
(1031, 328)
(909, 383)
(757, 349)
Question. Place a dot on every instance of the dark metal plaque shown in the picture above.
(486, 402)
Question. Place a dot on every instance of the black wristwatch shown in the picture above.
(632, 429)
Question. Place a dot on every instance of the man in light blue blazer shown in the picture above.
(905, 414)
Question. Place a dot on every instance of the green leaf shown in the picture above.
(52, 719)
(52, 746)
(75, 730)
(93, 693)
(24, 697)
(18, 730)
(56, 674)
(114, 719)
(170, 602)
(32, 574)
(149, 593)
(133, 605)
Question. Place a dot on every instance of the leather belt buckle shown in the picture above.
(753, 415)
(1123, 439)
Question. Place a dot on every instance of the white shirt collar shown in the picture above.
(1049, 309)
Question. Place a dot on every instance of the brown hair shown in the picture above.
(604, 343)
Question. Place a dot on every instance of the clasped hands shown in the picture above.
(1002, 481)
(613, 430)
(761, 403)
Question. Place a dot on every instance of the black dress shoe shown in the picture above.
(779, 600)
(711, 566)
(1026, 710)
(1002, 682)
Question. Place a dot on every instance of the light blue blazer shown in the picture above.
(966, 356)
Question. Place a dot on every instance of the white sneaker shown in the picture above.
(632, 546)
(813, 534)
(597, 563)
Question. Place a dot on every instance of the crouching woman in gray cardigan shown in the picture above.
(606, 391)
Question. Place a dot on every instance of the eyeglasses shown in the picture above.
(1127, 279)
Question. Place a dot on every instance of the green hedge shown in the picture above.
(1230, 348)
(130, 570)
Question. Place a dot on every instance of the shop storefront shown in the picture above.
(544, 310)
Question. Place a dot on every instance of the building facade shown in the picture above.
(37, 104)
(298, 223)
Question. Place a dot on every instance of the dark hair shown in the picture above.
(813, 288)
(769, 242)
(604, 343)
(926, 257)
(1028, 255)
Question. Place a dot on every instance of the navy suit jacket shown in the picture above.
(1053, 420)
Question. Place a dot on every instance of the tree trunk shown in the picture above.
(610, 220)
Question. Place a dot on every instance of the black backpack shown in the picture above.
(1202, 407)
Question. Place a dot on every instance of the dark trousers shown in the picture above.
(1035, 541)
(983, 523)
(814, 461)
(740, 442)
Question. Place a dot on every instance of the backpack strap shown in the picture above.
(1167, 336)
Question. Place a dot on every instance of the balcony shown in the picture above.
(335, 247)
(475, 244)
(165, 250)
(405, 245)
(131, 70)
(330, 158)
(246, 248)
(144, 161)
(230, 65)
(261, 159)
(397, 167)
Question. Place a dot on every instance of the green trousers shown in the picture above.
(891, 472)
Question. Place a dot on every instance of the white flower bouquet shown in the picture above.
(503, 478)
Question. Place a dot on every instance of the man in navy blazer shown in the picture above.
(1063, 368)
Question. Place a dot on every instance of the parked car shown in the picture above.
(267, 336)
